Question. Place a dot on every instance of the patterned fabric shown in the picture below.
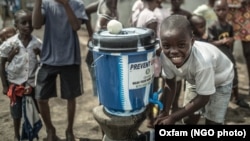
(32, 123)
(239, 16)
(15, 90)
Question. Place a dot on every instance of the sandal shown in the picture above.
(242, 103)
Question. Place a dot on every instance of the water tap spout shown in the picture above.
(155, 100)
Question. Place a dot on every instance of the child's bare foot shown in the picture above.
(69, 136)
(51, 135)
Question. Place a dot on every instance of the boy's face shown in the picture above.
(221, 9)
(176, 45)
(199, 27)
(24, 24)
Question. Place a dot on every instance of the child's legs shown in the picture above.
(16, 113)
(216, 108)
(246, 52)
(45, 89)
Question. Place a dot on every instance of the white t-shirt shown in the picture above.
(23, 66)
(146, 17)
(161, 14)
(206, 68)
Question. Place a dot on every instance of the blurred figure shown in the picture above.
(8, 8)
(106, 10)
(207, 11)
(136, 10)
(239, 17)
(6, 33)
(222, 35)
(198, 24)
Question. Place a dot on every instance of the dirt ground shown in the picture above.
(85, 127)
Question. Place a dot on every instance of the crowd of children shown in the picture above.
(193, 50)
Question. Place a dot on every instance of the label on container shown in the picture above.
(140, 74)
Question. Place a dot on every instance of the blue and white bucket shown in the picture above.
(124, 69)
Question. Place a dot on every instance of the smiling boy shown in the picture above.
(202, 65)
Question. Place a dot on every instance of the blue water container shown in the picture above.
(124, 69)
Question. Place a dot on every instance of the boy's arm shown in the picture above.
(37, 17)
(167, 97)
(198, 102)
(73, 20)
(3, 75)
(91, 8)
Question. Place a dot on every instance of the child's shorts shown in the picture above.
(216, 108)
(70, 80)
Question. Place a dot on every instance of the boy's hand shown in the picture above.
(37, 51)
(166, 120)
(162, 114)
(12, 53)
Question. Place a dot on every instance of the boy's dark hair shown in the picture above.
(19, 12)
(179, 22)
(220, 1)
(194, 17)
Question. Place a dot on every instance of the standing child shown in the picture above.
(136, 10)
(202, 65)
(206, 10)
(222, 36)
(147, 17)
(198, 24)
(60, 57)
(18, 75)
